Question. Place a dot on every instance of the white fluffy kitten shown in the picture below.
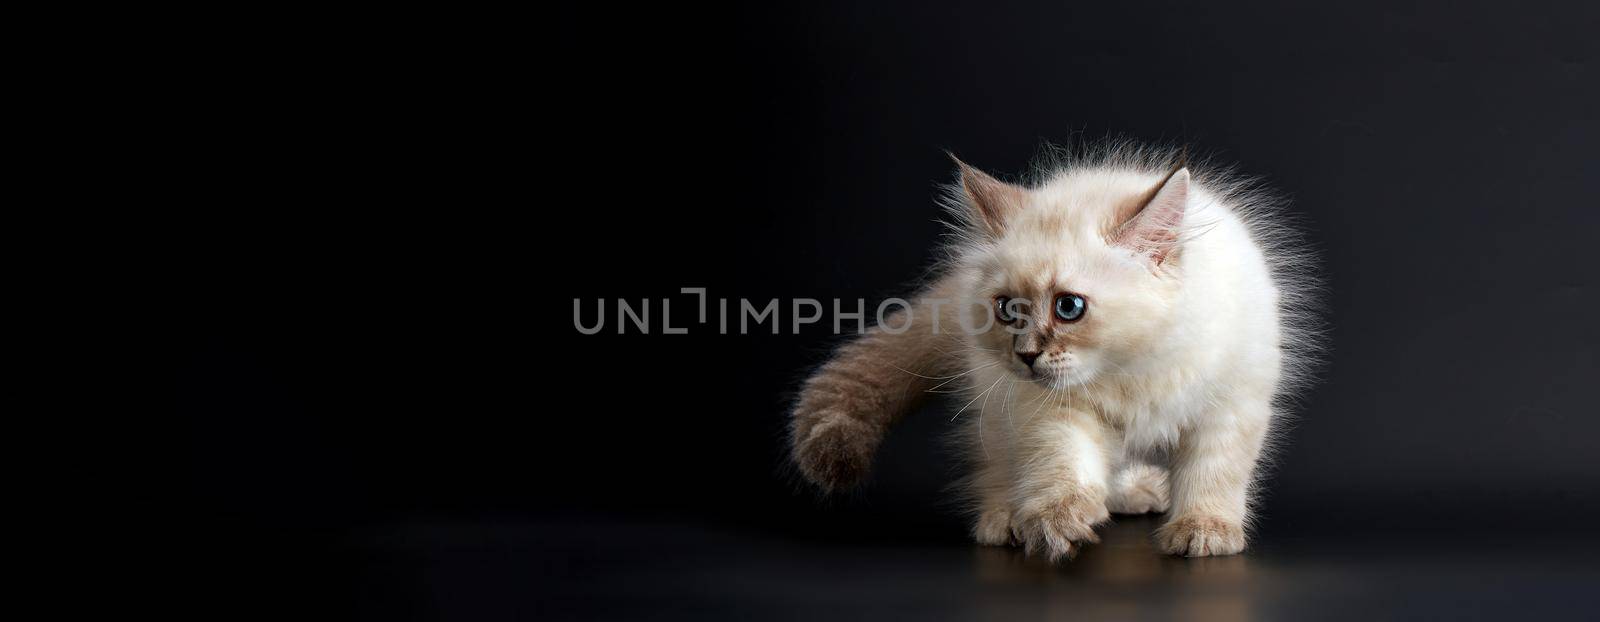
(1122, 331)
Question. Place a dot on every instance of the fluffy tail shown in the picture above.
(848, 404)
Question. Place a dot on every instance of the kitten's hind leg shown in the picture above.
(1138, 488)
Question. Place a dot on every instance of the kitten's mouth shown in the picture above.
(1053, 380)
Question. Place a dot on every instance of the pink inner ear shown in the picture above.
(993, 199)
(1153, 232)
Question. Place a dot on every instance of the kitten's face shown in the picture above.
(1079, 282)
(1067, 313)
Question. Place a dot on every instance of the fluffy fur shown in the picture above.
(1160, 398)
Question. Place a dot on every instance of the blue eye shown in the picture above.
(1001, 312)
(1070, 307)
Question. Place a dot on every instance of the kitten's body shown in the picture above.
(1159, 398)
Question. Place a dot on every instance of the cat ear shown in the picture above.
(990, 200)
(1150, 225)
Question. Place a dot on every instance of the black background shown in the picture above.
(377, 301)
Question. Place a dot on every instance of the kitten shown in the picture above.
(1123, 332)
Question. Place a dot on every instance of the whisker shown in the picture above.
(981, 367)
(985, 392)
(940, 377)
(1005, 405)
(982, 410)
(1048, 393)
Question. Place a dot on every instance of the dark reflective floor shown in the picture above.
(632, 570)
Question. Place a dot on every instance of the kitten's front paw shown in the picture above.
(1200, 536)
(1053, 527)
(836, 452)
(994, 527)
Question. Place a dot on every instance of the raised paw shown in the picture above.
(836, 452)
(993, 527)
(1056, 527)
(1200, 536)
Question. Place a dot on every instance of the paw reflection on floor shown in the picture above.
(1126, 575)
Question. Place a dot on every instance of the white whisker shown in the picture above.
(985, 392)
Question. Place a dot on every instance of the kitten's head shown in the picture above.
(1078, 275)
